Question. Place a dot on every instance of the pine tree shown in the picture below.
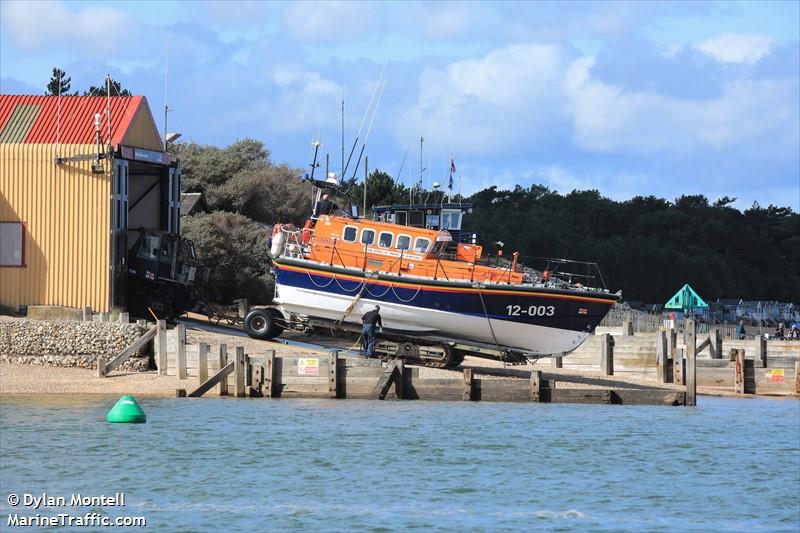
(116, 89)
(59, 83)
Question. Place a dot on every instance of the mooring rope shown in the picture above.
(356, 299)
(486, 314)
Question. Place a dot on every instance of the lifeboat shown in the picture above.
(426, 284)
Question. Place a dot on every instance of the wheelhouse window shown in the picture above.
(12, 244)
(367, 236)
(350, 233)
(385, 239)
(451, 220)
(421, 245)
(403, 242)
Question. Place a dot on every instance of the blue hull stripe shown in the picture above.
(523, 308)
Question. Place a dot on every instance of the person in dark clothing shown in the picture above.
(324, 207)
(370, 321)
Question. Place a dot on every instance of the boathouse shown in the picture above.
(78, 176)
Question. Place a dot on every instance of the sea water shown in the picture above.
(273, 465)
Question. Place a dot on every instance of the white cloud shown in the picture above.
(490, 105)
(737, 47)
(307, 100)
(610, 118)
(325, 21)
(96, 30)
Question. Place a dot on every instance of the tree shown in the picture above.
(102, 90)
(234, 248)
(59, 83)
(240, 178)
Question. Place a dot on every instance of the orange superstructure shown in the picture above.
(402, 250)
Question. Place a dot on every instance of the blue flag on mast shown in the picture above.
(452, 171)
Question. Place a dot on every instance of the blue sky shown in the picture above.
(662, 98)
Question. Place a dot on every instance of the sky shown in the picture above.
(629, 98)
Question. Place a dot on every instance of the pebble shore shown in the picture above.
(69, 344)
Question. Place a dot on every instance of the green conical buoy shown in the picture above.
(126, 411)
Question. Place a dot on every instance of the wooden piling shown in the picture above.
(691, 378)
(797, 378)
(717, 336)
(333, 360)
(124, 318)
(248, 372)
(536, 385)
(558, 362)
(101, 367)
(223, 361)
(467, 384)
(202, 362)
(627, 328)
(269, 366)
(238, 371)
(87, 313)
(691, 340)
(738, 380)
(161, 347)
(672, 343)
(679, 367)
(220, 377)
(385, 382)
(761, 349)
(256, 389)
(180, 357)
(661, 357)
(607, 356)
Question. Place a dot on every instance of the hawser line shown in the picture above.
(484, 290)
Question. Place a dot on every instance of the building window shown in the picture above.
(12, 244)
(385, 240)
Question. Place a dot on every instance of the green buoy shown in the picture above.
(126, 411)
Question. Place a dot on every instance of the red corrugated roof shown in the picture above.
(77, 117)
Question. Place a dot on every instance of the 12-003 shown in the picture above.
(534, 310)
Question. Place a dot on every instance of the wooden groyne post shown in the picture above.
(607, 356)
(161, 347)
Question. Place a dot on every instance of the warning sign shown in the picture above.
(775, 375)
(308, 366)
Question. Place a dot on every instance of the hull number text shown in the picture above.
(534, 310)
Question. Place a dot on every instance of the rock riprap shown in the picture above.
(70, 344)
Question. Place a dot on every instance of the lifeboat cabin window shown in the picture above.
(367, 236)
(385, 239)
(403, 242)
(350, 233)
(421, 245)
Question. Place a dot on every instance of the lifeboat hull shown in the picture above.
(530, 319)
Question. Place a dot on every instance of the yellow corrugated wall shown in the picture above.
(66, 210)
